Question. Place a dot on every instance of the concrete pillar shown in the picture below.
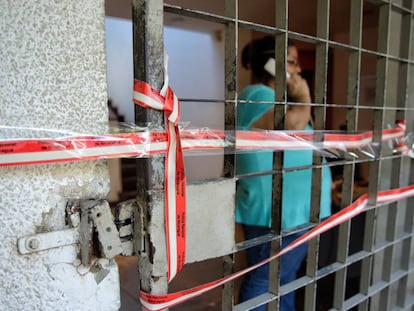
(52, 76)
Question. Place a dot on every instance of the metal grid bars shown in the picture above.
(149, 67)
(378, 274)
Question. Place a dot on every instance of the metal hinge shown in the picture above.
(130, 223)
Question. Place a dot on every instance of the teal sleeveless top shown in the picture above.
(254, 194)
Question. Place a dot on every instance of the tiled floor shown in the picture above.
(200, 273)
(190, 276)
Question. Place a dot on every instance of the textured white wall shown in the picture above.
(210, 219)
(53, 76)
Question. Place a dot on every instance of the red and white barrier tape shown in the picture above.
(400, 143)
(174, 177)
(173, 142)
(144, 144)
(160, 302)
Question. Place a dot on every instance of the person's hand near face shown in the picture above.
(297, 116)
(297, 87)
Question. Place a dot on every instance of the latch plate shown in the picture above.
(107, 232)
(43, 241)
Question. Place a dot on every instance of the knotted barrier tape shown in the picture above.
(400, 143)
(157, 302)
(174, 177)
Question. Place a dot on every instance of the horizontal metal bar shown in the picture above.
(268, 238)
(380, 285)
(303, 281)
(221, 19)
(347, 47)
(375, 289)
(268, 297)
(358, 256)
(331, 268)
(400, 8)
(271, 30)
(296, 284)
(274, 30)
(326, 164)
(327, 105)
(394, 5)
(409, 303)
(255, 302)
(353, 301)
(216, 18)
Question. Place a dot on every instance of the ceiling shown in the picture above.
(302, 14)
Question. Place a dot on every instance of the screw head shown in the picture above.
(33, 243)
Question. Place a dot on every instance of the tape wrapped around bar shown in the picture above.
(24, 146)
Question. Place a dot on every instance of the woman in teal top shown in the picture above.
(254, 194)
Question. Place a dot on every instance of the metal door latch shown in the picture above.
(88, 218)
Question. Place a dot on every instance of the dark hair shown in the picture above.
(255, 55)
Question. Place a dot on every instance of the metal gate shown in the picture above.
(364, 98)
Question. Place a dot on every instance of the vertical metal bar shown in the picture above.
(405, 53)
(402, 102)
(321, 72)
(281, 7)
(375, 166)
(281, 14)
(230, 79)
(403, 290)
(390, 235)
(354, 70)
(396, 169)
(148, 54)
(85, 233)
(231, 41)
